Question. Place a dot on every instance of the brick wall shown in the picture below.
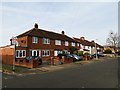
(7, 54)
(31, 64)
(23, 41)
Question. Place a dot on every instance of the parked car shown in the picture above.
(34, 57)
(74, 56)
(98, 55)
(65, 55)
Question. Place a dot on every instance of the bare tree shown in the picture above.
(112, 40)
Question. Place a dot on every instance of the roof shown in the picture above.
(84, 42)
(88, 43)
(45, 34)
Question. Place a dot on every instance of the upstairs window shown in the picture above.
(57, 42)
(46, 41)
(34, 39)
(66, 43)
(73, 43)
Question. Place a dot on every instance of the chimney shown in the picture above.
(93, 41)
(11, 42)
(36, 26)
(63, 32)
(82, 38)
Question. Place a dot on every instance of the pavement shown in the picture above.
(49, 68)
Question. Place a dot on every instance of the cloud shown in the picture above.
(76, 19)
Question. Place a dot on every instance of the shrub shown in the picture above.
(72, 49)
(108, 51)
(80, 53)
(86, 53)
(118, 52)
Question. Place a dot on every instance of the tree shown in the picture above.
(112, 40)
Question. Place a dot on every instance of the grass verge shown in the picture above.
(9, 68)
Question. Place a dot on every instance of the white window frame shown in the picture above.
(78, 44)
(57, 42)
(36, 51)
(34, 39)
(45, 53)
(56, 52)
(46, 41)
(66, 43)
(73, 43)
(18, 52)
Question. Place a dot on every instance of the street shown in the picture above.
(101, 74)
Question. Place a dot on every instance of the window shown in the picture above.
(46, 41)
(34, 39)
(56, 52)
(57, 42)
(46, 53)
(35, 53)
(66, 43)
(73, 43)
(20, 53)
(78, 44)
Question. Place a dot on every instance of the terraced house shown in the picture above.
(43, 43)
(88, 46)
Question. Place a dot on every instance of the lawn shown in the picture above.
(9, 68)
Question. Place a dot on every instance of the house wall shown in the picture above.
(40, 46)
(52, 45)
(23, 41)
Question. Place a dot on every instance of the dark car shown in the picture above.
(65, 55)
(76, 57)
(34, 57)
(98, 55)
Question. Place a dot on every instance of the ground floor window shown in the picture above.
(20, 53)
(34, 52)
(45, 53)
(56, 52)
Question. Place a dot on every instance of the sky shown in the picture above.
(93, 20)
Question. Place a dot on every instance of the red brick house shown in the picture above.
(43, 43)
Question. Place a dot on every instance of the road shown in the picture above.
(101, 74)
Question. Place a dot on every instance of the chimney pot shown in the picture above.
(63, 32)
(82, 38)
(36, 25)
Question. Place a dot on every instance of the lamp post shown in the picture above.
(14, 42)
(96, 51)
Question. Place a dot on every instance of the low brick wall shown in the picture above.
(56, 60)
(31, 64)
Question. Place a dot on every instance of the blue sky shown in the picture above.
(93, 20)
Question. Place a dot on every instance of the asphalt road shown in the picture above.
(102, 74)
